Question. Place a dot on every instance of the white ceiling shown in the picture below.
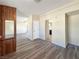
(29, 7)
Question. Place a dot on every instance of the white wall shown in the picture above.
(58, 26)
(30, 28)
(73, 22)
(47, 29)
(35, 22)
(42, 28)
(21, 25)
(50, 24)
(35, 29)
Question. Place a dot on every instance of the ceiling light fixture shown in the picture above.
(37, 1)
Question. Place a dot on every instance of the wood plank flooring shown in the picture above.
(40, 49)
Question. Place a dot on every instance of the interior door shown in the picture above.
(35, 29)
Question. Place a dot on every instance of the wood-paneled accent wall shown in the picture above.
(7, 45)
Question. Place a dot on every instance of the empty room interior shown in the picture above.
(39, 29)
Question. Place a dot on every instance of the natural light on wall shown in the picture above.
(21, 25)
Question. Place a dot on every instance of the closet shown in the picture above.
(7, 18)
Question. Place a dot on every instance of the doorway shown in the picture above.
(35, 29)
(48, 30)
(73, 28)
